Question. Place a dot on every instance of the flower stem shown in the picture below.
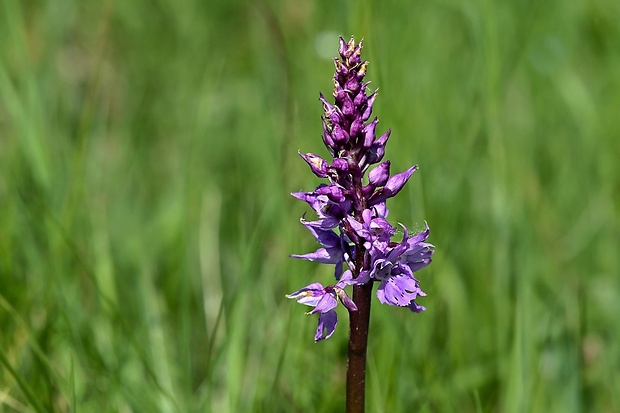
(358, 342)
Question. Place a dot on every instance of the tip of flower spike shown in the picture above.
(343, 45)
(351, 45)
(350, 49)
(346, 48)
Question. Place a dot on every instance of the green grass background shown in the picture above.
(147, 153)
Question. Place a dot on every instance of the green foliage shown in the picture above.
(147, 150)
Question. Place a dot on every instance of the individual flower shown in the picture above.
(394, 265)
(373, 229)
(392, 187)
(333, 250)
(317, 164)
(321, 200)
(324, 300)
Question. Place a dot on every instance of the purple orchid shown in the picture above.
(394, 267)
(352, 226)
(324, 300)
(374, 228)
(333, 251)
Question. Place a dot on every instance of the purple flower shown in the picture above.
(379, 175)
(324, 300)
(329, 211)
(393, 186)
(317, 164)
(333, 250)
(351, 225)
(394, 267)
(374, 228)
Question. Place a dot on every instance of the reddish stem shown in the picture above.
(358, 342)
(360, 319)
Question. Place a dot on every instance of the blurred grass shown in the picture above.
(147, 150)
